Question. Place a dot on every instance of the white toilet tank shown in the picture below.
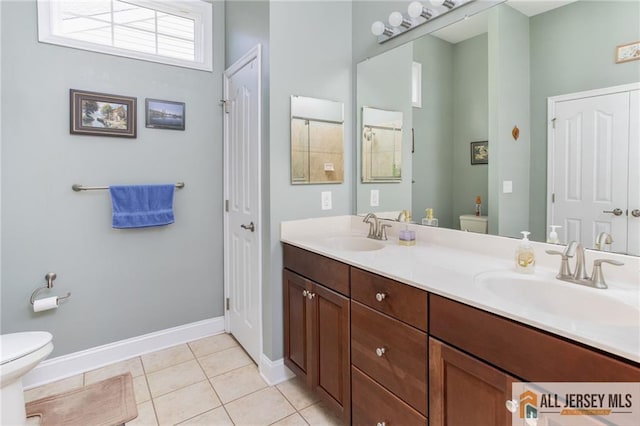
(473, 223)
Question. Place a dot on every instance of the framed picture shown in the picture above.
(164, 114)
(628, 52)
(480, 152)
(101, 114)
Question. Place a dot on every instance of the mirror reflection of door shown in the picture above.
(381, 145)
(317, 141)
(589, 167)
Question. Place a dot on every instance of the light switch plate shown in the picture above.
(375, 198)
(507, 186)
(326, 200)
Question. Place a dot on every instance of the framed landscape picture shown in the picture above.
(101, 114)
(164, 114)
(480, 152)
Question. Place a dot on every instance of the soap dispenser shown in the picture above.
(407, 237)
(553, 235)
(525, 256)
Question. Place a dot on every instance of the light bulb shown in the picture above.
(378, 28)
(416, 9)
(396, 20)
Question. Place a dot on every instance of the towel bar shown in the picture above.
(76, 187)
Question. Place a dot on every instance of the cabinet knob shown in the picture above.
(381, 424)
(380, 297)
(380, 351)
(310, 295)
(304, 293)
(512, 405)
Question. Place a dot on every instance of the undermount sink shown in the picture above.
(352, 243)
(571, 302)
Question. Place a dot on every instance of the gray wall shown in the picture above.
(433, 156)
(508, 107)
(470, 123)
(562, 64)
(384, 82)
(308, 65)
(124, 283)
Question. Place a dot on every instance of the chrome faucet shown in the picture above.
(580, 276)
(377, 231)
(602, 239)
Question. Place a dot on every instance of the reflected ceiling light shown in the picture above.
(397, 20)
(416, 9)
(378, 28)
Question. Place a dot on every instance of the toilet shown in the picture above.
(473, 223)
(19, 354)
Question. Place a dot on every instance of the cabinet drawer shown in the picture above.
(320, 269)
(401, 301)
(372, 404)
(402, 367)
(517, 348)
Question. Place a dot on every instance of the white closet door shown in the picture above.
(633, 243)
(590, 170)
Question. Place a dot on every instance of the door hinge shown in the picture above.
(553, 197)
(225, 104)
(553, 122)
(226, 206)
(228, 303)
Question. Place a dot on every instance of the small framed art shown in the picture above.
(164, 114)
(628, 52)
(480, 152)
(100, 114)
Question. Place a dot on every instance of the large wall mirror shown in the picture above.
(317, 141)
(499, 76)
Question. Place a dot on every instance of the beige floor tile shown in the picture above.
(224, 361)
(175, 377)
(166, 358)
(215, 417)
(260, 408)
(146, 415)
(133, 366)
(212, 344)
(237, 383)
(185, 403)
(297, 393)
(141, 389)
(319, 415)
(33, 421)
(293, 420)
(53, 388)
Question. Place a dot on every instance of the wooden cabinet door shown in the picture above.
(464, 390)
(331, 376)
(297, 327)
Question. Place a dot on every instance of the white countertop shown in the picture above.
(447, 262)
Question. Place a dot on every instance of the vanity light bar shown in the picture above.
(417, 14)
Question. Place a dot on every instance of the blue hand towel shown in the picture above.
(141, 206)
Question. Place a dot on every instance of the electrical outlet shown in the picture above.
(507, 187)
(326, 200)
(375, 198)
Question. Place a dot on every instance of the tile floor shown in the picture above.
(209, 382)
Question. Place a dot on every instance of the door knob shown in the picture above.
(635, 213)
(251, 227)
(616, 212)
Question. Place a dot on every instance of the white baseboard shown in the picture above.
(69, 365)
(274, 372)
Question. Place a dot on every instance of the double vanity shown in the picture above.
(436, 333)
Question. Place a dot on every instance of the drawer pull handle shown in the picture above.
(380, 297)
(380, 351)
(512, 405)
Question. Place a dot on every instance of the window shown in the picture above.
(170, 32)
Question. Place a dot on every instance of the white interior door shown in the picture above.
(633, 241)
(590, 144)
(242, 248)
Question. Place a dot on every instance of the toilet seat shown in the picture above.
(17, 345)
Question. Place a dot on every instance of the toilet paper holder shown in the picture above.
(49, 277)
